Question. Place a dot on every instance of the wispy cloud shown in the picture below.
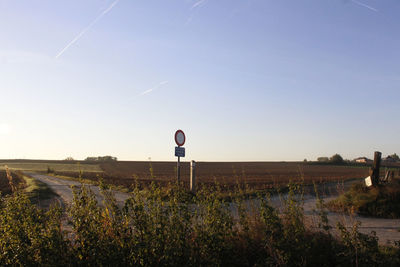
(154, 88)
(365, 5)
(87, 28)
(198, 4)
(147, 92)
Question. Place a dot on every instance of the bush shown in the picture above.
(30, 236)
(179, 229)
(382, 201)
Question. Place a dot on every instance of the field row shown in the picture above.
(257, 175)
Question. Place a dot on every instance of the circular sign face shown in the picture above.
(180, 138)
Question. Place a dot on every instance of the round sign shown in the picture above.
(180, 138)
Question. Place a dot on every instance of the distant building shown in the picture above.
(363, 160)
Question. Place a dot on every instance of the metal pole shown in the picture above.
(193, 176)
(179, 170)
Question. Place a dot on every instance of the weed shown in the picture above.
(382, 201)
(158, 227)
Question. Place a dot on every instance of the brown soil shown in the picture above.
(258, 175)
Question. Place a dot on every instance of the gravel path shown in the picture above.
(64, 188)
(387, 230)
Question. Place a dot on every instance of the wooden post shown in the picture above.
(193, 176)
(375, 168)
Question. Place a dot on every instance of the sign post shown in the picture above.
(179, 151)
(193, 176)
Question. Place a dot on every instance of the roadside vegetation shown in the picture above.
(35, 190)
(5, 184)
(382, 201)
(204, 230)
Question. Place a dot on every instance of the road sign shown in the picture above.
(180, 138)
(179, 151)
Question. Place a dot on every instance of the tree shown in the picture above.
(323, 159)
(336, 159)
(102, 159)
(69, 159)
(395, 157)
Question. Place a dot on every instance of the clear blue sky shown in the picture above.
(245, 79)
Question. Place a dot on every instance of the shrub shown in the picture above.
(382, 201)
(30, 236)
(153, 228)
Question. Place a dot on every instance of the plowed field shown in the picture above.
(257, 175)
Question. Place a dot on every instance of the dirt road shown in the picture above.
(63, 188)
(387, 230)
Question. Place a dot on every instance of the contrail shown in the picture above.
(154, 88)
(198, 3)
(364, 5)
(87, 28)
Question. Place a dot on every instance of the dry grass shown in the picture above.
(381, 201)
(42, 166)
(5, 187)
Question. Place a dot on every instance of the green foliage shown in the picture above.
(178, 229)
(35, 189)
(28, 235)
(359, 249)
(322, 212)
(152, 176)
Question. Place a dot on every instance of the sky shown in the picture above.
(246, 80)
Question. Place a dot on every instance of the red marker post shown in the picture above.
(180, 139)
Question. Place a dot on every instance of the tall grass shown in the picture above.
(380, 201)
(155, 227)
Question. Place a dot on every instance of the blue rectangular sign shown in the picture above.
(179, 151)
